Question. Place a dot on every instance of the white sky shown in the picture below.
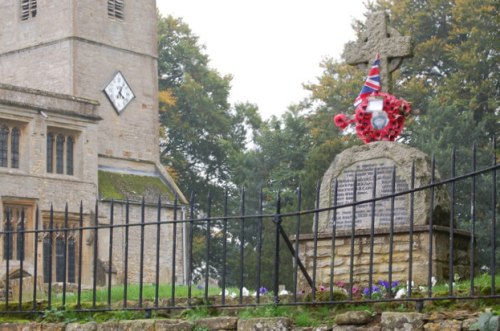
(270, 47)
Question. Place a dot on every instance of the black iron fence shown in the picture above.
(122, 255)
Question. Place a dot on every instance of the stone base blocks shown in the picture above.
(337, 261)
(387, 189)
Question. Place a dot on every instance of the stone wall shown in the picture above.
(341, 256)
(133, 134)
(167, 237)
(62, 113)
(349, 321)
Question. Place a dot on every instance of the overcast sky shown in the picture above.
(270, 47)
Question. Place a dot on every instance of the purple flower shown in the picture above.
(384, 283)
(395, 284)
(262, 290)
(199, 287)
(375, 289)
(322, 288)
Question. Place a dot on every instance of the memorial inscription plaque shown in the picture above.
(364, 172)
(385, 158)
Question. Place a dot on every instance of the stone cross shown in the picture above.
(382, 39)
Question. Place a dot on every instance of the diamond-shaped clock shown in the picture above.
(119, 92)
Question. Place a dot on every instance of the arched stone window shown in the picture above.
(10, 138)
(60, 153)
(16, 219)
(59, 255)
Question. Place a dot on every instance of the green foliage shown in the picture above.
(268, 310)
(201, 328)
(56, 315)
(452, 82)
(205, 141)
(482, 286)
(197, 313)
(305, 319)
(202, 132)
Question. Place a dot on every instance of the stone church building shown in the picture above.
(79, 124)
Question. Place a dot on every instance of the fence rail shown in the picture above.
(126, 258)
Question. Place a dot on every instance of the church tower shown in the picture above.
(90, 49)
(78, 124)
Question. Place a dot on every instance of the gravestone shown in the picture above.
(384, 158)
(20, 277)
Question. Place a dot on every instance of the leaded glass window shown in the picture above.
(8, 240)
(60, 263)
(69, 155)
(47, 257)
(4, 146)
(50, 152)
(10, 141)
(71, 260)
(60, 154)
(14, 149)
(15, 221)
(59, 255)
(20, 239)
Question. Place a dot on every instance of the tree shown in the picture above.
(201, 131)
(452, 82)
(204, 141)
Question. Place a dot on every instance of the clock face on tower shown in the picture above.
(119, 93)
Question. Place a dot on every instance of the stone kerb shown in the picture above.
(361, 161)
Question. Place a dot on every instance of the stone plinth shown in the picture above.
(340, 257)
(337, 188)
(380, 169)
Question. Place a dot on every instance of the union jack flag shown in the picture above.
(372, 82)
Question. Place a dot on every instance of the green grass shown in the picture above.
(197, 313)
(310, 315)
(133, 293)
(268, 310)
(482, 286)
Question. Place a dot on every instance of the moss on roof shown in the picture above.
(133, 187)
